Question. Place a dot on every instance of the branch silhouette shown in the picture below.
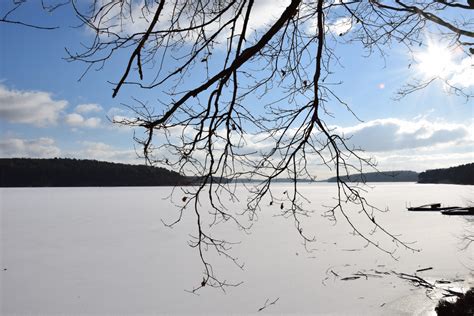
(239, 99)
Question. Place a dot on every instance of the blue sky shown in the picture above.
(46, 112)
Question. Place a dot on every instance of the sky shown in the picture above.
(47, 110)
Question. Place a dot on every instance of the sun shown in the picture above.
(436, 61)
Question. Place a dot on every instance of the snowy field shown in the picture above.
(96, 251)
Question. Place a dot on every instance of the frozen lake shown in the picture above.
(106, 251)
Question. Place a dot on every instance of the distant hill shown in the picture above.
(463, 174)
(386, 176)
(58, 172)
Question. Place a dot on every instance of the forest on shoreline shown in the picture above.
(463, 174)
(64, 172)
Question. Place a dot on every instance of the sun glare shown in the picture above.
(436, 61)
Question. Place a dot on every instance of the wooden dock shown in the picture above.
(449, 210)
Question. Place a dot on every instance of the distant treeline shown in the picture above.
(58, 172)
(385, 176)
(463, 174)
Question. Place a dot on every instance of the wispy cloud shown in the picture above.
(29, 107)
(88, 108)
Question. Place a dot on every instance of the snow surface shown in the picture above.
(106, 251)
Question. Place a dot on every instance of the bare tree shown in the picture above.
(210, 66)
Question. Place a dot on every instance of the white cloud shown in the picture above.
(45, 147)
(38, 108)
(463, 73)
(266, 11)
(29, 107)
(341, 26)
(29, 148)
(74, 119)
(77, 120)
(105, 152)
(136, 18)
(380, 138)
(88, 108)
(391, 134)
(432, 157)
